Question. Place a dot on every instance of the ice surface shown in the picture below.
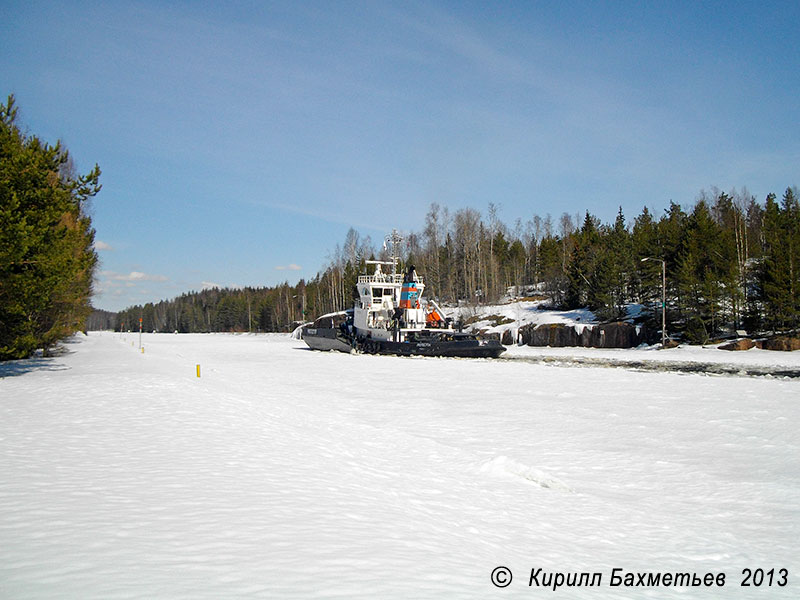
(287, 473)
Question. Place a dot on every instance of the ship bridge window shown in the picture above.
(377, 292)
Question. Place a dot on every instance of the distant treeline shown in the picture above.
(731, 263)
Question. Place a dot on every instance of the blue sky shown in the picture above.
(239, 141)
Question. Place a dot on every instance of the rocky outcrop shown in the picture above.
(559, 335)
(624, 335)
(556, 335)
(783, 343)
(743, 344)
(615, 335)
(508, 338)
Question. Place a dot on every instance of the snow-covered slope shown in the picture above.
(286, 473)
(517, 314)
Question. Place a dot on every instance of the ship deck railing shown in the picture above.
(385, 279)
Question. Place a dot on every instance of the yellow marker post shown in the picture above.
(142, 349)
(198, 370)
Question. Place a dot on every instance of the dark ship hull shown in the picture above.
(461, 348)
(335, 332)
(330, 332)
(319, 338)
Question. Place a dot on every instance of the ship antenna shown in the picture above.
(395, 240)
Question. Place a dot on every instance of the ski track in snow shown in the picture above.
(286, 473)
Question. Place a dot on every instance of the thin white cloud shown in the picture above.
(462, 40)
(133, 276)
(101, 245)
(289, 267)
(208, 285)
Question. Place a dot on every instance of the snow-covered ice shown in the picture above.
(287, 473)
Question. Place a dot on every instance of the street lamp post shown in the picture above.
(663, 299)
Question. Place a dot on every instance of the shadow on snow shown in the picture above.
(13, 368)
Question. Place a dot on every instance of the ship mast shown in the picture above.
(394, 239)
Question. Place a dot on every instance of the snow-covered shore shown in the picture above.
(286, 473)
(518, 314)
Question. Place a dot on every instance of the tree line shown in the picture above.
(47, 258)
(732, 263)
(215, 310)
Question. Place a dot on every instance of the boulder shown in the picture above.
(784, 343)
(585, 337)
(744, 344)
(556, 335)
(507, 338)
(615, 335)
(524, 335)
(538, 336)
(559, 335)
(647, 335)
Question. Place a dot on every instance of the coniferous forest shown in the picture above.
(731, 263)
(47, 259)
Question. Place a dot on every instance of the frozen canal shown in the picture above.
(286, 473)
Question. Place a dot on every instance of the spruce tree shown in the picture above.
(583, 264)
(646, 278)
(702, 267)
(779, 278)
(791, 223)
(619, 255)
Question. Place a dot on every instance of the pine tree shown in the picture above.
(47, 260)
